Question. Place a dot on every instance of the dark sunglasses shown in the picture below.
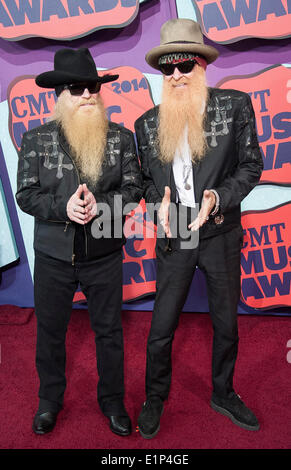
(77, 89)
(183, 67)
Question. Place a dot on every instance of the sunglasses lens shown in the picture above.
(94, 88)
(78, 90)
(183, 67)
(186, 67)
(167, 69)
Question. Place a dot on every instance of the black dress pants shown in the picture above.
(219, 258)
(55, 283)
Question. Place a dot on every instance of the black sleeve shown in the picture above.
(150, 192)
(29, 195)
(250, 163)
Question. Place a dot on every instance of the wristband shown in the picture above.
(217, 200)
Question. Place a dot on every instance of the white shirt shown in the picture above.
(186, 196)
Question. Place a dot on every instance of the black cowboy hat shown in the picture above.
(72, 66)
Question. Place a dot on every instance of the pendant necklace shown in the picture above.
(186, 172)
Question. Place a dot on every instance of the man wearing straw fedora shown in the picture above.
(68, 168)
(200, 156)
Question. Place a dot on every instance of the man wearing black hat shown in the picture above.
(68, 169)
(199, 147)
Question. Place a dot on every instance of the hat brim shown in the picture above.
(54, 78)
(209, 52)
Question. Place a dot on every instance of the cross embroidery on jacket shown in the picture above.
(151, 132)
(53, 158)
(111, 151)
(219, 125)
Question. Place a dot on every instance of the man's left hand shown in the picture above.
(90, 204)
(208, 203)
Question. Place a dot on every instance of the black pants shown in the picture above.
(55, 283)
(219, 258)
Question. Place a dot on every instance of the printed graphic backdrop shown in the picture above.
(258, 66)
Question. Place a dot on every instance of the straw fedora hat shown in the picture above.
(181, 35)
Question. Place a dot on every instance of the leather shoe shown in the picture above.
(149, 418)
(120, 425)
(235, 409)
(44, 422)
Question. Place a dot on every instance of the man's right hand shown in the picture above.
(163, 212)
(75, 207)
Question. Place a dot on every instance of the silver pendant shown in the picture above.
(187, 186)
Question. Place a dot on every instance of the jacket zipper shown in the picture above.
(194, 181)
(56, 222)
(78, 175)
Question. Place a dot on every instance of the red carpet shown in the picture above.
(263, 379)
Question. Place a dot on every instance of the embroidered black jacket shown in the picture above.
(232, 165)
(47, 177)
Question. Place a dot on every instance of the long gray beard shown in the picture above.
(87, 136)
(176, 112)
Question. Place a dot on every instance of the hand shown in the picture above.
(75, 207)
(208, 202)
(163, 212)
(90, 204)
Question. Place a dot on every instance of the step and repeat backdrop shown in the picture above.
(253, 37)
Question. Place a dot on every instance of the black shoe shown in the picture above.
(44, 422)
(149, 418)
(235, 409)
(120, 425)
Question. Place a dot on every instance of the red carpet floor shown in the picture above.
(263, 379)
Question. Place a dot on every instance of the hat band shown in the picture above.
(182, 42)
(177, 57)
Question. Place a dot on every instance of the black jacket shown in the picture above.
(47, 178)
(232, 165)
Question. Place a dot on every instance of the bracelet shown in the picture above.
(217, 200)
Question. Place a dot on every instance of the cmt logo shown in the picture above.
(270, 91)
(266, 258)
(29, 107)
(62, 19)
(231, 20)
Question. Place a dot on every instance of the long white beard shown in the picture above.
(86, 133)
(181, 108)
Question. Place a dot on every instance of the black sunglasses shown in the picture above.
(183, 67)
(77, 89)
